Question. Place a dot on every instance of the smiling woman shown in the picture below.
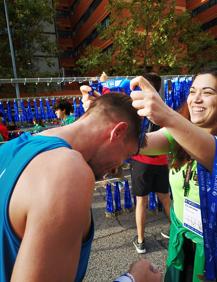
(202, 101)
(192, 144)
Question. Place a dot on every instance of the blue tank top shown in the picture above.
(14, 157)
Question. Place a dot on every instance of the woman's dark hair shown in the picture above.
(180, 156)
(207, 70)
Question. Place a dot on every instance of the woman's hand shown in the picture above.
(148, 102)
(87, 99)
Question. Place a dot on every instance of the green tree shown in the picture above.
(125, 52)
(150, 34)
(200, 47)
(28, 20)
(93, 62)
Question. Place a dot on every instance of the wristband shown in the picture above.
(126, 277)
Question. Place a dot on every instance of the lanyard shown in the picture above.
(186, 185)
(143, 129)
(208, 202)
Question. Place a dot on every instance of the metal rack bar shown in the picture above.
(60, 80)
(40, 97)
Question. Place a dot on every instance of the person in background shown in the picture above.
(38, 126)
(3, 130)
(149, 174)
(103, 78)
(63, 111)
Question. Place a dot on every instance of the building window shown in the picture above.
(105, 23)
(60, 14)
(203, 7)
(87, 41)
(209, 24)
(86, 15)
(90, 38)
(74, 5)
(65, 33)
(108, 49)
(67, 54)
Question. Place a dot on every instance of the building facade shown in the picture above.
(205, 12)
(76, 22)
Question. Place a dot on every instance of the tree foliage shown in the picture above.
(28, 20)
(200, 47)
(150, 34)
(93, 62)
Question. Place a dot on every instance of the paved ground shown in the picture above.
(112, 251)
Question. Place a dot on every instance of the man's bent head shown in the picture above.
(116, 114)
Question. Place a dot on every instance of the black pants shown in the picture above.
(189, 253)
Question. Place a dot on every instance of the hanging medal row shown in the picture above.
(176, 91)
(24, 111)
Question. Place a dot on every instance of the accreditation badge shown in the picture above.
(192, 217)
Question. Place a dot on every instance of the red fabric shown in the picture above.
(105, 90)
(4, 132)
(156, 160)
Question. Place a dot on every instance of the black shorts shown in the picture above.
(148, 178)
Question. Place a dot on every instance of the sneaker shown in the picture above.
(165, 235)
(140, 247)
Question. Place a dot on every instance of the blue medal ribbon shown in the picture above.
(50, 112)
(177, 96)
(76, 109)
(95, 86)
(37, 116)
(24, 113)
(125, 86)
(53, 102)
(81, 108)
(178, 93)
(9, 113)
(29, 111)
(16, 112)
(208, 202)
(42, 111)
(2, 110)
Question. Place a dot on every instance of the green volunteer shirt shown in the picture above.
(69, 119)
(178, 232)
(177, 177)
